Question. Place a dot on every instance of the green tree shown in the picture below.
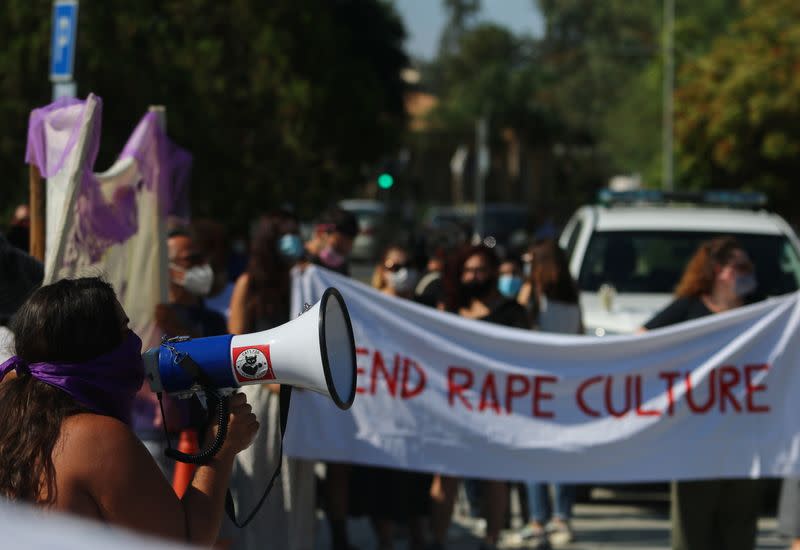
(738, 122)
(277, 102)
(490, 71)
(606, 59)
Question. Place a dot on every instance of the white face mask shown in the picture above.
(197, 280)
(403, 280)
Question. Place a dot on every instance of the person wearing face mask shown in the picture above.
(261, 301)
(190, 279)
(409, 502)
(471, 291)
(509, 280)
(395, 275)
(715, 513)
(333, 240)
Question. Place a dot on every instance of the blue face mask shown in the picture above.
(509, 285)
(291, 246)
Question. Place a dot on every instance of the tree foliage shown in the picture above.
(738, 120)
(607, 64)
(491, 73)
(278, 102)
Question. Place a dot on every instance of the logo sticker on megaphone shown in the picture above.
(315, 351)
(253, 364)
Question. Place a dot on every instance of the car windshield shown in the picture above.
(653, 261)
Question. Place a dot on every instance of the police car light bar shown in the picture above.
(732, 199)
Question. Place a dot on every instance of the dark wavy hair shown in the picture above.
(454, 295)
(68, 321)
(268, 275)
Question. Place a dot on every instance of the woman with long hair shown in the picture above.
(471, 291)
(260, 301)
(261, 296)
(554, 295)
(65, 439)
(715, 513)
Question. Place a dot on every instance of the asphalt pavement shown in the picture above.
(597, 526)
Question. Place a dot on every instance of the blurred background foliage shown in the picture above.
(277, 102)
(285, 102)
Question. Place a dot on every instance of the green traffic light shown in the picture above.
(385, 181)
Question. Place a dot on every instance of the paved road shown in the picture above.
(604, 526)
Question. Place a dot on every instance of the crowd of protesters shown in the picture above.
(213, 291)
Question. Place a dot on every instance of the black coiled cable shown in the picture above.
(205, 455)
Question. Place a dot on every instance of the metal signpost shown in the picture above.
(62, 48)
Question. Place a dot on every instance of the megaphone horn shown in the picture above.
(315, 351)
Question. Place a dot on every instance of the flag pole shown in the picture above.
(37, 229)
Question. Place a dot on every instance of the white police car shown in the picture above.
(628, 253)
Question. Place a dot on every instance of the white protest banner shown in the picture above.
(715, 397)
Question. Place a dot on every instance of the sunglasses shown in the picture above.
(394, 268)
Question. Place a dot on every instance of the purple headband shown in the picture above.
(105, 385)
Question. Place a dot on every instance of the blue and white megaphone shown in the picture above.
(315, 351)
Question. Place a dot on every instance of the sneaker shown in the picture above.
(560, 533)
(530, 536)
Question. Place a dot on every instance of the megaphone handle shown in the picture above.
(208, 453)
(230, 507)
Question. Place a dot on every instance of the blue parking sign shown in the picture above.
(62, 48)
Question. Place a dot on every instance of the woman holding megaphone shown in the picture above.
(65, 437)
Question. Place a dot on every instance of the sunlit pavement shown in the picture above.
(596, 527)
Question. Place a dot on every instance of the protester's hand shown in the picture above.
(242, 425)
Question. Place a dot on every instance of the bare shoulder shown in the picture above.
(85, 427)
(94, 438)
(103, 457)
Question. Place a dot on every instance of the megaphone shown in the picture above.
(315, 351)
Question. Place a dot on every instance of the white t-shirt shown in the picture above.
(561, 317)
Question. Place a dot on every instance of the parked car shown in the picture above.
(628, 253)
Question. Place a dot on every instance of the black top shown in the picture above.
(682, 309)
(508, 313)
(430, 290)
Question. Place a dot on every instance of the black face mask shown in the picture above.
(478, 289)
